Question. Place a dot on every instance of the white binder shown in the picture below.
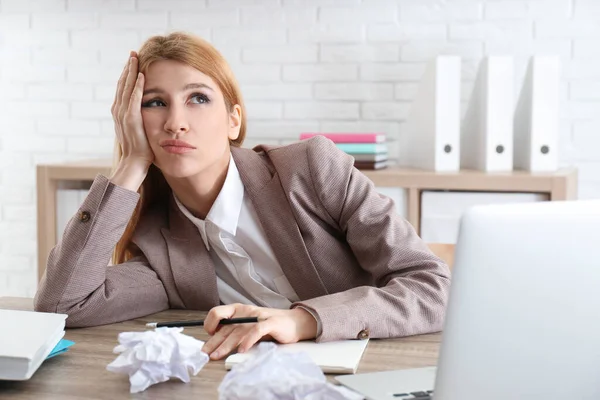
(536, 116)
(487, 129)
(433, 124)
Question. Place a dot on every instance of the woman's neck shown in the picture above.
(199, 192)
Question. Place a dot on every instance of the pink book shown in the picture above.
(348, 137)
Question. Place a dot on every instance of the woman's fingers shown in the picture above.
(243, 337)
(256, 333)
(216, 314)
(116, 107)
(229, 337)
(136, 96)
(119, 92)
(219, 337)
(128, 116)
(132, 74)
(230, 342)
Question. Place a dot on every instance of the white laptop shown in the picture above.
(523, 319)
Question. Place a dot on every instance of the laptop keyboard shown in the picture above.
(424, 395)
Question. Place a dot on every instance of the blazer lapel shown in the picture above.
(279, 223)
(193, 269)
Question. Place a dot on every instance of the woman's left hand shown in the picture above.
(284, 326)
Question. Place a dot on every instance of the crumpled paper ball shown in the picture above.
(152, 357)
(273, 374)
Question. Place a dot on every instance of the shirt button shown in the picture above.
(84, 216)
(364, 334)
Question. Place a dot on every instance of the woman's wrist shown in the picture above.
(130, 174)
(306, 322)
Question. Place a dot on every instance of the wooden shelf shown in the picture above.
(559, 185)
(78, 170)
(470, 180)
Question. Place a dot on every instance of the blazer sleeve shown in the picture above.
(412, 283)
(78, 280)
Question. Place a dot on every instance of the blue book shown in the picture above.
(61, 347)
(362, 148)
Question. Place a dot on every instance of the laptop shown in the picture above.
(523, 317)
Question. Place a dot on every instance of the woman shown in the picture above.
(294, 235)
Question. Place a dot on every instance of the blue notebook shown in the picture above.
(60, 348)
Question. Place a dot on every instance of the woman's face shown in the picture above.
(186, 120)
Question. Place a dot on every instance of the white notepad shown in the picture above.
(26, 339)
(338, 357)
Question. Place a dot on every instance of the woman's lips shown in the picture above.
(175, 146)
(177, 149)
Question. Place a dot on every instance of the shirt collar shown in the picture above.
(225, 211)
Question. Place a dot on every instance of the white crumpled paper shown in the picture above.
(275, 374)
(152, 357)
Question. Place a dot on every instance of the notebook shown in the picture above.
(26, 339)
(60, 348)
(337, 357)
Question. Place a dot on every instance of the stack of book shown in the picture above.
(27, 338)
(369, 150)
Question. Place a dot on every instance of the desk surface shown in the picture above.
(81, 372)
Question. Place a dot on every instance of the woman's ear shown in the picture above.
(235, 122)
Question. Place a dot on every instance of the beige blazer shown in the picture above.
(346, 252)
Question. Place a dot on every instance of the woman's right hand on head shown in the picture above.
(137, 155)
(127, 116)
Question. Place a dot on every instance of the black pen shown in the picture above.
(228, 321)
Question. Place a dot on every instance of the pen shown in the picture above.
(228, 321)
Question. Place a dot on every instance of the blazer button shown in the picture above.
(364, 334)
(84, 216)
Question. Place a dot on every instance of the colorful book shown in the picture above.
(370, 164)
(348, 137)
(60, 348)
(370, 157)
(362, 148)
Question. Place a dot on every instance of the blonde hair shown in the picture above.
(199, 54)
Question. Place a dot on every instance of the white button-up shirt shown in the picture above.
(247, 270)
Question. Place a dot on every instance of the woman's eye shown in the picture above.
(153, 103)
(199, 98)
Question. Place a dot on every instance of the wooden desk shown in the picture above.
(81, 372)
(559, 185)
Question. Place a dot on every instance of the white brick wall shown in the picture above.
(304, 65)
(284, 54)
(354, 91)
(320, 73)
